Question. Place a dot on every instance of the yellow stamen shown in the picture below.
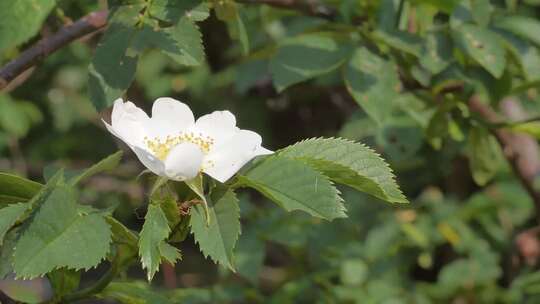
(161, 148)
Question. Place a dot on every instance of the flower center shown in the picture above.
(161, 148)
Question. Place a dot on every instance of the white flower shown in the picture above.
(173, 145)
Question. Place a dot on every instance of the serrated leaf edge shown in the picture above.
(231, 264)
(375, 153)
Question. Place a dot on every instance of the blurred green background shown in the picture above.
(456, 242)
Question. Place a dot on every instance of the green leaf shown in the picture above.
(174, 10)
(113, 68)
(170, 253)
(373, 82)
(480, 272)
(304, 57)
(225, 9)
(121, 234)
(294, 185)
(525, 27)
(526, 54)
(50, 170)
(461, 14)
(484, 46)
(179, 223)
(532, 2)
(6, 253)
(348, 163)
(401, 139)
(238, 31)
(170, 208)
(13, 118)
(218, 239)
(249, 73)
(387, 14)
(154, 232)
(446, 6)
(436, 52)
(59, 236)
(484, 155)
(415, 108)
(481, 11)
(13, 14)
(353, 272)
(469, 11)
(158, 183)
(9, 216)
(182, 42)
(249, 256)
(358, 127)
(381, 239)
(228, 12)
(402, 41)
(15, 189)
(169, 27)
(125, 240)
(196, 185)
(438, 127)
(106, 164)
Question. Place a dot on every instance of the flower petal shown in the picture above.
(145, 157)
(183, 162)
(127, 121)
(151, 162)
(263, 151)
(169, 117)
(226, 159)
(219, 125)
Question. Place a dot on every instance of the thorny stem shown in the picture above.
(96, 21)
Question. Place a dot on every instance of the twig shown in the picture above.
(20, 79)
(308, 7)
(95, 21)
(517, 153)
(43, 48)
(516, 122)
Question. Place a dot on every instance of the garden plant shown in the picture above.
(270, 151)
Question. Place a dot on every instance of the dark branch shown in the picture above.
(97, 20)
(43, 48)
(308, 7)
(520, 150)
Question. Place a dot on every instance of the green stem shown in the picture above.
(96, 287)
(196, 185)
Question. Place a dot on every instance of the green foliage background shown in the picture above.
(395, 75)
